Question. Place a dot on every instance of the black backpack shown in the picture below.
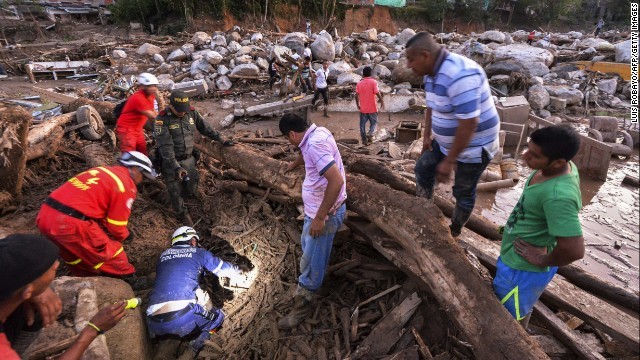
(117, 111)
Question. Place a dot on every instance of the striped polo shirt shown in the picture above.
(458, 91)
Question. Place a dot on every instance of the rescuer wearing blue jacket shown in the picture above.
(178, 306)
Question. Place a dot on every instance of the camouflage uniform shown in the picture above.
(175, 138)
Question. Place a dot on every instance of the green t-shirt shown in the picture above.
(545, 211)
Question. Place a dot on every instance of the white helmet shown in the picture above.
(140, 160)
(184, 233)
(147, 79)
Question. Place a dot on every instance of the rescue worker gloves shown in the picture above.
(228, 143)
(147, 79)
(139, 160)
(184, 233)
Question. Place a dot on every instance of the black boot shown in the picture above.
(301, 309)
(423, 192)
(458, 219)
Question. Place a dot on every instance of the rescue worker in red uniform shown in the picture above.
(87, 217)
(139, 108)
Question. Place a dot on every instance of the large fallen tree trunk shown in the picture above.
(104, 108)
(485, 228)
(46, 147)
(470, 303)
(41, 131)
(383, 174)
(270, 172)
(14, 127)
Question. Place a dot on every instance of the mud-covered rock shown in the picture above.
(538, 97)
(148, 49)
(323, 47)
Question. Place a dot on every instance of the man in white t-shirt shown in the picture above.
(321, 86)
(307, 51)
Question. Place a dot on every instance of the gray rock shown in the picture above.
(404, 92)
(348, 78)
(401, 73)
(200, 66)
(365, 57)
(200, 38)
(213, 57)
(262, 63)
(595, 43)
(278, 51)
(228, 120)
(404, 85)
(405, 35)
(389, 64)
(323, 47)
(245, 70)
(523, 53)
(218, 40)
(238, 112)
(508, 40)
(608, 86)
(494, 36)
(370, 35)
(177, 55)
(234, 36)
(623, 52)
(130, 70)
(244, 50)
(391, 40)
(188, 49)
(256, 37)
(233, 47)
(338, 68)
(338, 46)
(382, 72)
(575, 34)
(573, 96)
(538, 97)
(164, 69)
(243, 59)
(227, 104)
(222, 51)
(158, 59)
(380, 49)
(505, 67)
(536, 68)
(394, 55)
(544, 113)
(148, 49)
(165, 84)
(245, 42)
(223, 83)
(118, 54)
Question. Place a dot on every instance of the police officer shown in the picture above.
(174, 131)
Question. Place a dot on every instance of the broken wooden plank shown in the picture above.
(387, 331)
(562, 294)
(562, 332)
(262, 141)
(53, 96)
(422, 347)
(14, 130)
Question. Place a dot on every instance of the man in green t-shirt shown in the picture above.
(543, 230)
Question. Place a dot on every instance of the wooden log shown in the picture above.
(41, 131)
(14, 129)
(49, 146)
(564, 295)
(48, 349)
(410, 353)
(385, 175)
(262, 141)
(422, 347)
(387, 331)
(562, 332)
(270, 172)
(104, 108)
(495, 185)
(484, 227)
(346, 328)
(631, 180)
(432, 258)
(96, 155)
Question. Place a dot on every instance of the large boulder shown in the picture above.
(245, 50)
(493, 36)
(338, 46)
(223, 83)
(222, 70)
(380, 49)
(234, 36)
(118, 54)
(148, 49)
(401, 73)
(538, 97)
(381, 71)
(245, 70)
(233, 47)
(404, 36)
(608, 86)
(177, 55)
(278, 51)
(338, 68)
(256, 37)
(200, 66)
(573, 96)
(218, 40)
(188, 49)
(323, 48)
(348, 78)
(262, 63)
(536, 68)
(623, 51)
(213, 57)
(200, 38)
(575, 34)
(165, 82)
(370, 35)
(391, 40)
(523, 53)
(596, 43)
(505, 67)
(158, 59)
(389, 64)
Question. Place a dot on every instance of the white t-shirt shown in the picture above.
(295, 57)
(321, 79)
(307, 52)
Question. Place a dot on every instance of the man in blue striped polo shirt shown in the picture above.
(462, 118)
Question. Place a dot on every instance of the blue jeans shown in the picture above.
(373, 118)
(316, 250)
(466, 178)
(197, 322)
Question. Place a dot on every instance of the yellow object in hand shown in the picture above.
(133, 303)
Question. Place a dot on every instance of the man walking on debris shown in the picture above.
(366, 93)
(305, 74)
(139, 108)
(321, 86)
(543, 230)
(178, 306)
(87, 217)
(324, 195)
(464, 121)
(174, 131)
